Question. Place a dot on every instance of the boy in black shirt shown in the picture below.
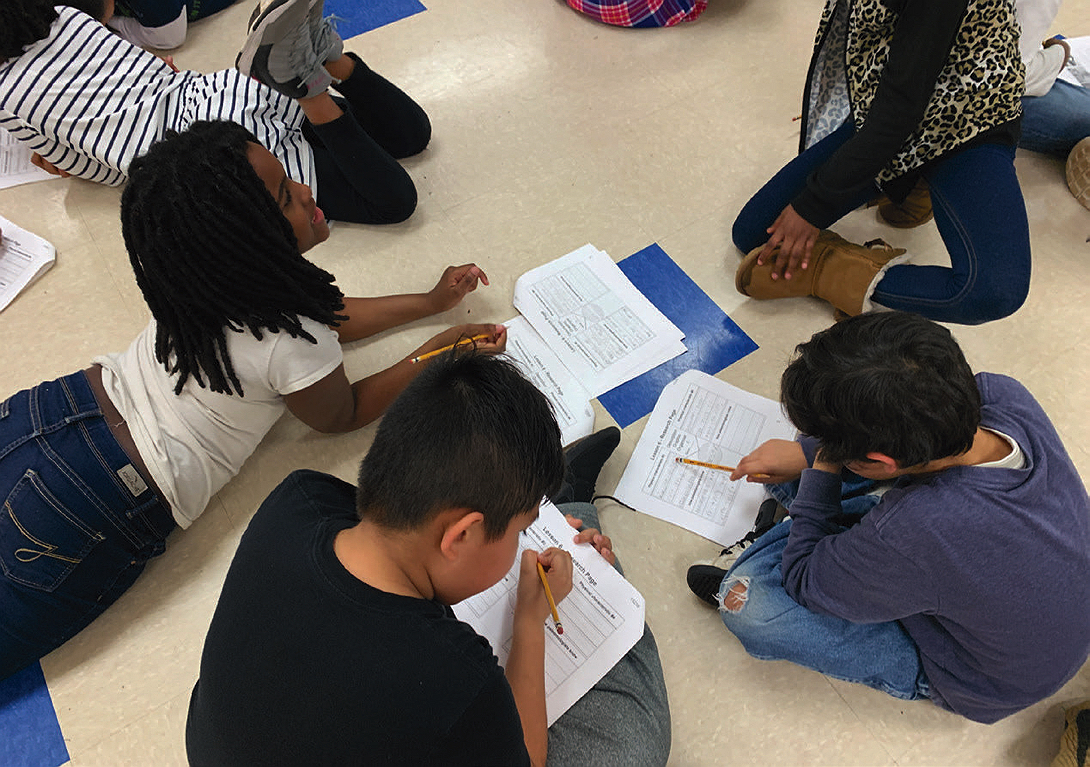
(333, 641)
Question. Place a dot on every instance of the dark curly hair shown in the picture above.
(22, 23)
(212, 252)
(889, 382)
(25, 22)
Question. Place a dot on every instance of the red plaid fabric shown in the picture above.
(641, 13)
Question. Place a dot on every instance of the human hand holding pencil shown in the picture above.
(486, 339)
(772, 462)
(551, 568)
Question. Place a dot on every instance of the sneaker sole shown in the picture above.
(261, 24)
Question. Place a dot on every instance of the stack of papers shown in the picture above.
(584, 330)
(24, 257)
(602, 616)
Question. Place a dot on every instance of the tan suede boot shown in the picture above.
(914, 211)
(842, 273)
(1073, 748)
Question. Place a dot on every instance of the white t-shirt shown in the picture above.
(1043, 65)
(194, 442)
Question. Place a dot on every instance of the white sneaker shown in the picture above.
(278, 50)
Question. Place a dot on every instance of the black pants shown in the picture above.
(359, 179)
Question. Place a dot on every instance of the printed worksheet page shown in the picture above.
(601, 327)
(15, 165)
(704, 419)
(602, 616)
(569, 399)
(24, 257)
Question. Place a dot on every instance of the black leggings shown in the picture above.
(359, 179)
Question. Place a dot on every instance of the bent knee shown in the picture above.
(733, 594)
(415, 140)
(397, 204)
(987, 306)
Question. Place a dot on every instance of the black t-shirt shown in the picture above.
(305, 664)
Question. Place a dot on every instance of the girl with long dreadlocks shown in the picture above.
(97, 467)
(87, 102)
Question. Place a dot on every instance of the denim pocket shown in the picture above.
(41, 541)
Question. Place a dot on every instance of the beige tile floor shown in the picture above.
(552, 131)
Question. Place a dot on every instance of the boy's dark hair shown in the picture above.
(212, 251)
(23, 23)
(891, 382)
(469, 432)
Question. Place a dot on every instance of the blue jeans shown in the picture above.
(1055, 122)
(772, 626)
(73, 537)
(980, 215)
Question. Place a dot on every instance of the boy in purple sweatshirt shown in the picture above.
(938, 543)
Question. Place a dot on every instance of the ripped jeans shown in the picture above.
(773, 626)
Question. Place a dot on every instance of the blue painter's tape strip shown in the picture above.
(354, 17)
(712, 338)
(30, 735)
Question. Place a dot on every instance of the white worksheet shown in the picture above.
(1077, 69)
(24, 257)
(15, 165)
(569, 399)
(602, 616)
(601, 327)
(700, 417)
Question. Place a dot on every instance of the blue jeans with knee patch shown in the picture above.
(773, 626)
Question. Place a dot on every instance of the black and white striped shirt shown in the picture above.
(89, 102)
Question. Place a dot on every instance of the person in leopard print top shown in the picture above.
(902, 97)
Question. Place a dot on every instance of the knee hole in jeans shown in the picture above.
(734, 594)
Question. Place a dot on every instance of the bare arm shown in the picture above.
(368, 316)
(525, 667)
(332, 405)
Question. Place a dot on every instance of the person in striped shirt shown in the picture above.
(87, 102)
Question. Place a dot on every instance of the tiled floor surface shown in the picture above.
(552, 131)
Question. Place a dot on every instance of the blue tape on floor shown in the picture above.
(30, 735)
(711, 337)
(355, 17)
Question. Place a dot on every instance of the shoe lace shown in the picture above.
(742, 544)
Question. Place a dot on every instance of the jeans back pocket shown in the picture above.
(41, 540)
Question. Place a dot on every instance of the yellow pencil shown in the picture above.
(549, 596)
(691, 462)
(447, 348)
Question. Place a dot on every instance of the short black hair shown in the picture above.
(213, 253)
(890, 382)
(469, 432)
